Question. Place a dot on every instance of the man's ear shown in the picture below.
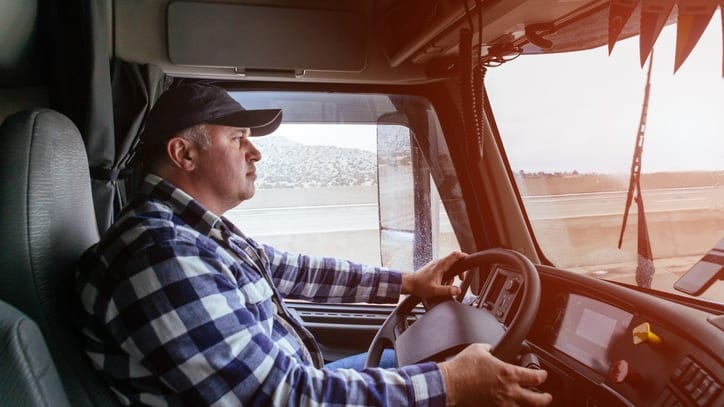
(181, 153)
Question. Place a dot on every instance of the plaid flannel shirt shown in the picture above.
(178, 307)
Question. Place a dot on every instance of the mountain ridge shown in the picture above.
(289, 164)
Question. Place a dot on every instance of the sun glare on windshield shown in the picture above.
(570, 122)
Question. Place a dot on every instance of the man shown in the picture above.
(180, 307)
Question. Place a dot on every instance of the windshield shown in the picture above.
(569, 123)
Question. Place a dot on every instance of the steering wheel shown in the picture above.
(448, 325)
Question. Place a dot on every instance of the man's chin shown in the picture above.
(248, 194)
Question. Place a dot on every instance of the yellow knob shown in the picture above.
(642, 333)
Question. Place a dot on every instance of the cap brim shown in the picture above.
(261, 121)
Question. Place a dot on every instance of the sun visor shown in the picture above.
(240, 36)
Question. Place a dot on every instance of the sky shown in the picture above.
(362, 136)
(581, 111)
(685, 121)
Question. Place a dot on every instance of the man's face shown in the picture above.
(226, 168)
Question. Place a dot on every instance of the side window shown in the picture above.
(361, 192)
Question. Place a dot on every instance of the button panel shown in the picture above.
(696, 382)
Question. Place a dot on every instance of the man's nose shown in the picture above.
(254, 154)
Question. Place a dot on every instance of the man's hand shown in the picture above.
(477, 378)
(427, 281)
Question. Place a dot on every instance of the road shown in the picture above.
(594, 216)
(363, 216)
(612, 203)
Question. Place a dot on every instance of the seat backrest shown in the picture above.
(46, 222)
(28, 376)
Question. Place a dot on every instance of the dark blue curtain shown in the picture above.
(106, 98)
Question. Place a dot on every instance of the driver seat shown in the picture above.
(47, 221)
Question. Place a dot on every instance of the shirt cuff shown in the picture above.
(389, 287)
(427, 384)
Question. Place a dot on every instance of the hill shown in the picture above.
(288, 164)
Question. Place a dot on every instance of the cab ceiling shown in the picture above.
(399, 37)
(346, 41)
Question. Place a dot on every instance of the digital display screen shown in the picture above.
(588, 329)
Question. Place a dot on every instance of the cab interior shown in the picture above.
(78, 78)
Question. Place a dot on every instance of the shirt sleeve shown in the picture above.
(324, 279)
(209, 339)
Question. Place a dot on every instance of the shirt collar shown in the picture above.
(182, 204)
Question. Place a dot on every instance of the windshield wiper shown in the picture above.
(645, 264)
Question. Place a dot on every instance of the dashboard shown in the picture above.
(607, 345)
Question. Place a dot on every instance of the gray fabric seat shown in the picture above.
(46, 222)
(28, 376)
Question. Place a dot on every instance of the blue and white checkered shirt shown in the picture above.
(180, 308)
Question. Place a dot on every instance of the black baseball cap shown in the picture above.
(187, 105)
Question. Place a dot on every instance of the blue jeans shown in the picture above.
(357, 362)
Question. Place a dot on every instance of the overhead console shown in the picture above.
(239, 36)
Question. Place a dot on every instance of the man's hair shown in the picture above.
(157, 156)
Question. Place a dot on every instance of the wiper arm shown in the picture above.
(645, 265)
